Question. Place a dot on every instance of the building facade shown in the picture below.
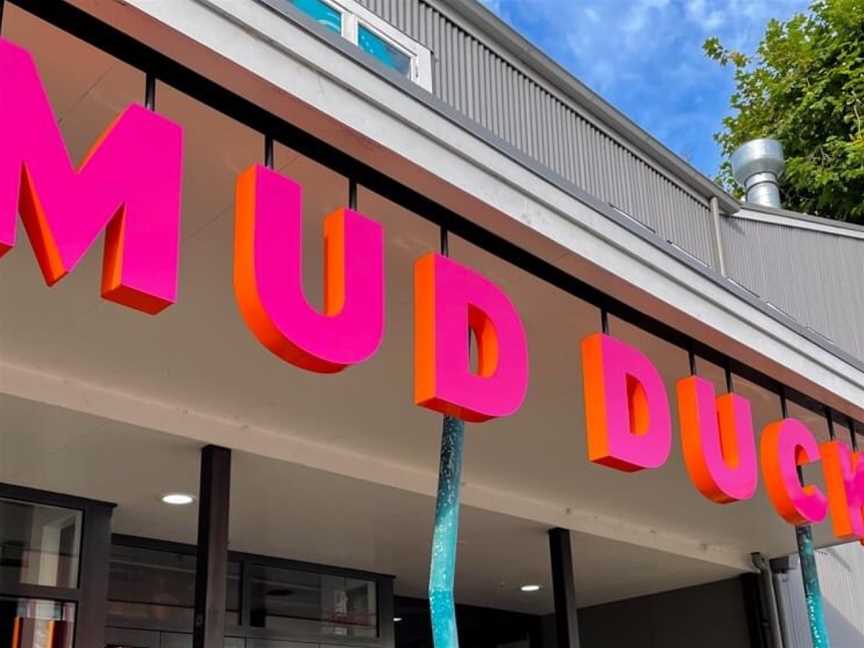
(225, 445)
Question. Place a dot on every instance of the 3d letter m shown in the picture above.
(127, 185)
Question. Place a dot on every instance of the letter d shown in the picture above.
(450, 300)
(626, 407)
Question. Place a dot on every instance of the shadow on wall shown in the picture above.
(841, 577)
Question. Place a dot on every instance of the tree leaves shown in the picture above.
(804, 87)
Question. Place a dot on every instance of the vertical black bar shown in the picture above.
(352, 194)
(211, 569)
(604, 321)
(268, 152)
(853, 433)
(150, 91)
(832, 434)
(386, 613)
(691, 357)
(727, 369)
(784, 407)
(95, 560)
(564, 588)
(245, 592)
(757, 626)
(2, 7)
(445, 242)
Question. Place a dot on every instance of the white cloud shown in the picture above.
(708, 18)
(645, 56)
(592, 15)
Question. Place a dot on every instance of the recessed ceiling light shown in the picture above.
(530, 588)
(178, 499)
(397, 619)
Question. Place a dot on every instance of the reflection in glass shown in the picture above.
(322, 12)
(32, 623)
(372, 43)
(39, 545)
(158, 587)
(293, 601)
(169, 640)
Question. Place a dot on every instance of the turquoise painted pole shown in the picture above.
(442, 572)
(812, 591)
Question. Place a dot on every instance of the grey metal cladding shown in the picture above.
(814, 276)
(481, 83)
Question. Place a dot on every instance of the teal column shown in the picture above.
(812, 591)
(442, 570)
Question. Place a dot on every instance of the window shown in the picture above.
(373, 44)
(151, 589)
(148, 587)
(301, 602)
(322, 12)
(39, 545)
(374, 36)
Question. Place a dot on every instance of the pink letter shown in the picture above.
(844, 478)
(128, 185)
(450, 299)
(626, 407)
(786, 445)
(718, 442)
(268, 277)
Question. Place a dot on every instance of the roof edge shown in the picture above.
(802, 220)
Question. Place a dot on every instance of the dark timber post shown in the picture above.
(564, 588)
(96, 555)
(211, 568)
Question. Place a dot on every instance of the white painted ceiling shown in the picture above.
(285, 510)
(197, 359)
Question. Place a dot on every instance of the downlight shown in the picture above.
(177, 499)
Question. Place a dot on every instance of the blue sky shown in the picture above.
(645, 57)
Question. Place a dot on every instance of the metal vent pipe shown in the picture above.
(757, 165)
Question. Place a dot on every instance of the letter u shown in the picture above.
(268, 279)
(718, 441)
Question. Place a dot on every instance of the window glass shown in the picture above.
(150, 588)
(322, 12)
(292, 601)
(382, 50)
(32, 623)
(169, 640)
(39, 545)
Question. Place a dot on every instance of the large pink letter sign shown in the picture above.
(450, 299)
(718, 442)
(269, 285)
(844, 479)
(626, 407)
(786, 445)
(128, 185)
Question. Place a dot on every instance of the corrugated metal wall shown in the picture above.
(815, 277)
(484, 86)
(841, 578)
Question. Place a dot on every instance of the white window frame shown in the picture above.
(354, 14)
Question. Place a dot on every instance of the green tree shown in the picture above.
(804, 87)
